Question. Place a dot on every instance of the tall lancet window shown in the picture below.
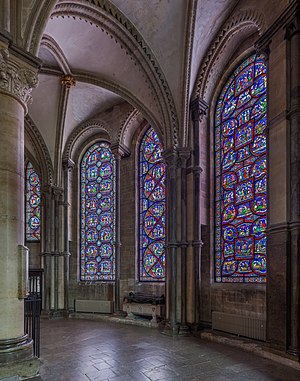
(241, 175)
(152, 209)
(97, 223)
(32, 202)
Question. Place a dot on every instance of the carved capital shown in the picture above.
(199, 108)
(184, 154)
(16, 78)
(68, 164)
(293, 26)
(119, 150)
(68, 81)
(171, 158)
(57, 193)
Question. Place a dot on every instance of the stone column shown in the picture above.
(57, 195)
(171, 159)
(118, 151)
(184, 155)
(17, 78)
(68, 165)
(198, 108)
(293, 59)
(67, 82)
(46, 202)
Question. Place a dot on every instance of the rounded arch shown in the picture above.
(238, 28)
(82, 136)
(43, 157)
(110, 19)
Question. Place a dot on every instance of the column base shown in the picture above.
(58, 314)
(171, 329)
(294, 354)
(119, 314)
(184, 330)
(16, 358)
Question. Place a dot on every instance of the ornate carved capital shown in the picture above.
(16, 78)
(68, 81)
(198, 108)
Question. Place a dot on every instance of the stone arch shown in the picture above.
(91, 130)
(239, 27)
(41, 151)
(51, 45)
(103, 14)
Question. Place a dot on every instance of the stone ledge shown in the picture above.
(109, 318)
(246, 344)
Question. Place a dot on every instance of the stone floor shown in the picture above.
(83, 350)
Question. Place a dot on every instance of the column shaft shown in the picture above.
(198, 108)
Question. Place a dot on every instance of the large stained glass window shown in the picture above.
(97, 225)
(32, 201)
(152, 207)
(241, 175)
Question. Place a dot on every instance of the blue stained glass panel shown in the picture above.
(241, 175)
(152, 192)
(97, 224)
(33, 208)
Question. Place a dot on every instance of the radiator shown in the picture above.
(97, 306)
(239, 325)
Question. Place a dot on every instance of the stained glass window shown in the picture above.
(241, 175)
(152, 194)
(97, 225)
(33, 208)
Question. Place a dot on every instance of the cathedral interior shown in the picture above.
(150, 173)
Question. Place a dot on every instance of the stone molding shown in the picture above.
(285, 20)
(114, 23)
(51, 45)
(238, 22)
(133, 121)
(41, 150)
(16, 78)
(190, 21)
(83, 131)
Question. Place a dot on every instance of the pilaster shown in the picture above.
(198, 109)
(118, 151)
(171, 159)
(68, 166)
(184, 154)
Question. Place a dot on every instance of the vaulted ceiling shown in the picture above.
(145, 53)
